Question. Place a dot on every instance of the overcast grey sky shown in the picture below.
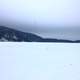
(46, 16)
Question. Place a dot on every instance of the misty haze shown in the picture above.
(59, 19)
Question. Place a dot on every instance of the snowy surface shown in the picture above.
(39, 61)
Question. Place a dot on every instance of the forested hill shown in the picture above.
(12, 35)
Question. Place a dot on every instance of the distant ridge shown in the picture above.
(12, 35)
(9, 34)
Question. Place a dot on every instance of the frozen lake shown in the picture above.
(39, 61)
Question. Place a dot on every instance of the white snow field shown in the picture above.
(39, 61)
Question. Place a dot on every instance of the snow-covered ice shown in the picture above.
(39, 61)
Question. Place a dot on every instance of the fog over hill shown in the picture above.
(70, 33)
(13, 35)
(47, 18)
